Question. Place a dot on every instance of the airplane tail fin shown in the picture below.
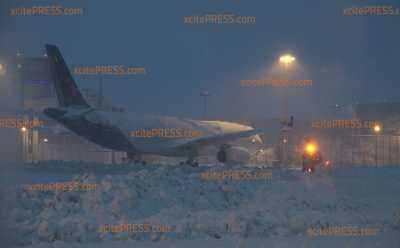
(67, 92)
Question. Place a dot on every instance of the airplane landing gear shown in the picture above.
(191, 154)
(222, 156)
(191, 163)
(135, 158)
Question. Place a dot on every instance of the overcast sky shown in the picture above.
(349, 58)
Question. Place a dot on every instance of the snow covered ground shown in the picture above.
(274, 212)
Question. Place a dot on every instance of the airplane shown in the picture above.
(141, 135)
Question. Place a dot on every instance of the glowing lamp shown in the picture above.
(377, 128)
(311, 148)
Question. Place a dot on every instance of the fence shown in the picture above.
(341, 150)
(373, 150)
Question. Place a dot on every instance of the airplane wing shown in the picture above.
(218, 138)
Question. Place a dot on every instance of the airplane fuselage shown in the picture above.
(138, 135)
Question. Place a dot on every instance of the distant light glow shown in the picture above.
(377, 128)
(45, 140)
(23, 129)
(287, 59)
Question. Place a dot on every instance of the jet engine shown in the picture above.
(233, 155)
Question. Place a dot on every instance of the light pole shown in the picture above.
(205, 94)
(377, 130)
(285, 60)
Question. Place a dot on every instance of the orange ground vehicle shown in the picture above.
(311, 156)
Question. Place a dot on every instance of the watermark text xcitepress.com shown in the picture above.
(219, 19)
(53, 10)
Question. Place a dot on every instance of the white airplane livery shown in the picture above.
(165, 136)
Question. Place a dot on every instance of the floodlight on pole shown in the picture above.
(377, 129)
(287, 59)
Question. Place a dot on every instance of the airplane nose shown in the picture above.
(54, 113)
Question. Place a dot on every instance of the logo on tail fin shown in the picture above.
(67, 92)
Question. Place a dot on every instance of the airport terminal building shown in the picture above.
(26, 89)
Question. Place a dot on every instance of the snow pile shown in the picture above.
(197, 209)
